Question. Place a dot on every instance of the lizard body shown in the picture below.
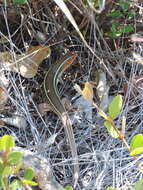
(50, 88)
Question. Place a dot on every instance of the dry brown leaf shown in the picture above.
(87, 92)
(28, 63)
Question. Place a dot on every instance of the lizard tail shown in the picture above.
(70, 136)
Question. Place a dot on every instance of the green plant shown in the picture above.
(19, 2)
(11, 166)
(120, 16)
(117, 29)
(136, 144)
(67, 188)
(114, 109)
(15, 2)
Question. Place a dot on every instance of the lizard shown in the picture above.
(52, 95)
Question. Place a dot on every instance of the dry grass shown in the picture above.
(104, 161)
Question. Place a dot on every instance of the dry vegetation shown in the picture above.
(113, 32)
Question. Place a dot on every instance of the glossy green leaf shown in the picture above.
(19, 2)
(115, 106)
(29, 182)
(136, 151)
(137, 141)
(14, 157)
(111, 129)
(138, 185)
(6, 142)
(136, 144)
(29, 174)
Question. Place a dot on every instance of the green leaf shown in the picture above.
(19, 2)
(138, 185)
(115, 31)
(114, 34)
(136, 144)
(127, 29)
(136, 151)
(137, 141)
(114, 26)
(111, 129)
(7, 171)
(67, 188)
(6, 142)
(115, 13)
(131, 14)
(15, 157)
(29, 174)
(115, 106)
(29, 182)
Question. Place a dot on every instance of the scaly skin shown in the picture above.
(50, 88)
